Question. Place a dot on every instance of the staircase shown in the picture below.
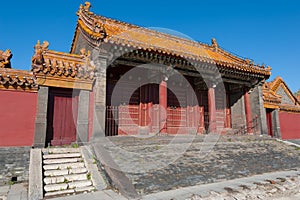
(65, 172)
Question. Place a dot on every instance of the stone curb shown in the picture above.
(288, 143)
(35, 190)
(204, 190)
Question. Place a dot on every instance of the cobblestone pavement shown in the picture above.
(160, 164)
(281, 189)
(14, 162)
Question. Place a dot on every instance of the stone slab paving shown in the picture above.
(14, 163)
(14, 192)
(163, 163)
(99, 195)
(278, 184)
(287, 188)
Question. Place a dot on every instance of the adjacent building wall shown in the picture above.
(289, 125)
(17, 119)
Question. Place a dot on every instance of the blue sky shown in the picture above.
(265, 31)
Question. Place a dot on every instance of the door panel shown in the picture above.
(62, 117)
(269, 122)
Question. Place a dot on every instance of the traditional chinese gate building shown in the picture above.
(211, 90)
(122, 79)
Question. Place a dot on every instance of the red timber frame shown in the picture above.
(249, 122)
(154, 108)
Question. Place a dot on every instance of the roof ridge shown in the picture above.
(144, 28)
(191, 41)
(103, 29)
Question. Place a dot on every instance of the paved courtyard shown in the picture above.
(164, 163)
(163, 166)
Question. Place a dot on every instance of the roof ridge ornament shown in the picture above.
(87, 6)
(39, 48)
(5, 57)
(89, 68)
(214, 43)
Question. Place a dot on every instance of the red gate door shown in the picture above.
(62, 117)
(269, 122)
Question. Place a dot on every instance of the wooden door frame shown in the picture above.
(68, 93)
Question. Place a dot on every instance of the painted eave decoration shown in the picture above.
(57, 69)
(273, 100)
(99, 29)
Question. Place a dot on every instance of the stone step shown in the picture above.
(65, 179)
(80, 184)
(78, 170)
(64, 155)
(61, 150)
(85, 189)
(56, 172)
(56, 187)
(60, 161)
(64, 166)
(54, 180)
(57, 193)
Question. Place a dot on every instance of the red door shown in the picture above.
(62, 116)
(269, 121)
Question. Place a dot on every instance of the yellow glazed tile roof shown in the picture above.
(12, 79)
(62, 64)
(59, 69)
(115, 32)
(273, 100)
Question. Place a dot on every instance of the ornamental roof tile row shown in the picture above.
(12, 79)
(107, 30)
(17, 79)
(56, 63)
(59, 69)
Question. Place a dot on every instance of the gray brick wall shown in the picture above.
(285, 98)
(237, 110)
(14, 162)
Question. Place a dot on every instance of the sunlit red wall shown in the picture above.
(289, 125)
(17, 117)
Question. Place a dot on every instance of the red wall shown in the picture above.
(289, 125)
(17, 118)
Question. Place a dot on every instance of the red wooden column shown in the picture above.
(163, 106)
(248, 112)
(212, 109)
